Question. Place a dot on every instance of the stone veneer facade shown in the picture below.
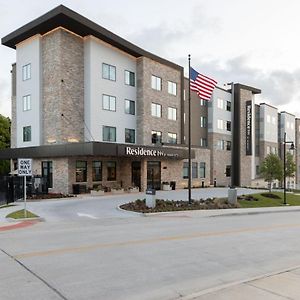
(146, 95)
(63, 87)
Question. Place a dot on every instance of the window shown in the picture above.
(202, 170)
(109, 134)
(111, 170)
(129, 135)
(26, 102)
(268, 119)
(268, 150)
(172, 113)
(220, 103)
(172, 138)
(292, 126)
(172, 88)
(228, 171)
(156, 137)
(203, 142)
(108, 72)
(129, 78)
(257, 170)
(194, 170)
(156, 83)
(228, 145)
(203, 122)
(81, 171)
(273, 120)
(228, 125)
(129, 107)
(47, 173)
(156, 110)
(26, 72)
(220, 124)
(185, 170)
(228, 105)
(27, 134)
(203, 102)
(184, 118)
(221, 145)
(97, 170)
(109, 102)
(183, 95)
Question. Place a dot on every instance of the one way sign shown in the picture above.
(24, 166)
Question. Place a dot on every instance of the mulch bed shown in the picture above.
(168, 205)
(49, 196)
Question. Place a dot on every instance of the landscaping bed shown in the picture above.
(168, 205)
(49, 196)
(21, 215)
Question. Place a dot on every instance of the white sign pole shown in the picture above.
(25, 211)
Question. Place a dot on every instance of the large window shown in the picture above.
(111, 170)
(228, 171)
(26, 72)
(203, 142)
(172, 138)
(81, 171)
(129, 78)
(203, 122)
(47, 173)
(202, 170)
(26, 102)
(228, 105)
(156, 83)
(221, 144)
(27, 134)
(108, 72)
(172, 113)
(129, 107)
(194, 170)
(156, 110)
(220, 103)
(220, 124)
(109, 134)
(97, 170)
(129, 135)
(228, 145)
(228, 125)
(185, 170)
(156, 137)
(109, 102)
(172, 88)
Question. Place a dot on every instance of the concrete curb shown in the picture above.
(235, 283)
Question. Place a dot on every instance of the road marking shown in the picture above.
(195, 235)
(87, 216)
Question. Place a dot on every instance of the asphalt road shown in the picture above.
(116, 255)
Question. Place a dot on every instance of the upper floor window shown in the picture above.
(129, 135)
(268, 119)
(109, 134)
(203, 122)
(172, 113)
(156, 83)
(108, 72)
(129, 78)
(228, 171)
(220, 103)
(220, 124)
(27, 134)
(221, 144)
(156, 110)
(203, 102)
(172, 88)
(228, 125)
(156, 137)
(228, 145)
(203, 142)
(172, 138)
(129, 107)
(228, 105)
(26, 72)
(26, 102)
(109, 102)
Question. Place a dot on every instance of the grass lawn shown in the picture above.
(20, 214)
(291, 199)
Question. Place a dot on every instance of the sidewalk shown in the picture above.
(277, 286)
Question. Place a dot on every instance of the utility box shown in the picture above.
(232, 195)
(150, 198)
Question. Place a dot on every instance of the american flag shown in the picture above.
(202, 84)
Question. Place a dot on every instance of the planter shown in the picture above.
(97, 193)
(166, 187)
(134, 190)
(120, 191)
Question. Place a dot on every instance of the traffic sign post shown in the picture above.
(25, 169)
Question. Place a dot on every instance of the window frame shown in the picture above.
(154, 107)
(171, 139)
(26, 72)
(110, 98)
(27, 102)
(81, 171)
(130, 130)
(97, 176)
(171, 87)
(129, 77)
(110, 128)
(112, 162)
(156, 83)
(110, 67)
(27, 136)
(130, 102)
(171, 115)
(158, 136)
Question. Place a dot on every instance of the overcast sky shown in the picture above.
(253, 42)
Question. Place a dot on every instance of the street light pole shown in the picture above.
(284, 169)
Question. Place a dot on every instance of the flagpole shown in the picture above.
(190, 138)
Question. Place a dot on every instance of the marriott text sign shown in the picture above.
(249, 128)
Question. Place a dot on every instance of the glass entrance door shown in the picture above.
(136, 173)
(153, 175)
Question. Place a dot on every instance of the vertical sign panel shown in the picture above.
(248, 127)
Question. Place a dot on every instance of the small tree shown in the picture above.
(271, 169)
(290, 165)
(4, 142)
